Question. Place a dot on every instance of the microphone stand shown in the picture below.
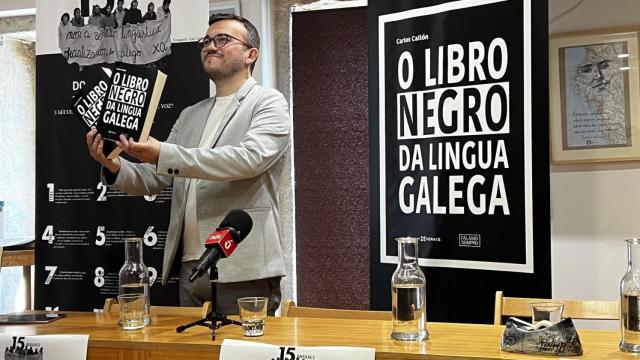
(213, 320)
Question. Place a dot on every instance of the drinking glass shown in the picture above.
(546, 314)
(132, 311)
(253, 311)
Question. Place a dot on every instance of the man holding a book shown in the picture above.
(223, 153)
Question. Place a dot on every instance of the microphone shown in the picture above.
(223, 241)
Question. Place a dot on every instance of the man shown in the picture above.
(163, 11)
(596, 85)
(119, 13)
(77, 20)
(104, 9)
(133, 15)
(150, 14)
(96, 17)
(108, 20)
(223, 153)
(62, 28)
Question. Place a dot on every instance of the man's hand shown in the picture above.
(95, 143)
(147, 152)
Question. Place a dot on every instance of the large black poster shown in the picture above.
(80, 223)
(456, 155)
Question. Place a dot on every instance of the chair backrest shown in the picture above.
(111, 306)
(575, 309)
(289, 309)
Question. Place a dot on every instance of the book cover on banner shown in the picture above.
(131, 102)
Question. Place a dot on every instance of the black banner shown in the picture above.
(459, 145)
(80, 224)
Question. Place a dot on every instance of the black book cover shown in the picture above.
(131, 102)
(87, 102)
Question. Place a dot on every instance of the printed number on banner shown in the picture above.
(153, 275)
(99, 279)
(101, 238)
(103, 192)
(51, 188)
(18, 342)
(47, 235)
(150, 238)
(288, 351)
(51, 270)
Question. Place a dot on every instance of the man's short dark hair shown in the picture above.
(252, 37)
(75, 10)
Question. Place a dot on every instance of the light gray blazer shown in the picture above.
(242, 171)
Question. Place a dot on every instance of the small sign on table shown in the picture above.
(56, 347)
(246, 350)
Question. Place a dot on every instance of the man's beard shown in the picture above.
(226, 71)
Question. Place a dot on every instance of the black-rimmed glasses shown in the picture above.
(219, 41)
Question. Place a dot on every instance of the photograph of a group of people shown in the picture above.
(108, 17)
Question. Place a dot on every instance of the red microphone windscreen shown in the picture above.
(223, 239)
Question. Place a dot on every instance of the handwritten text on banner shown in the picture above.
(133, 43)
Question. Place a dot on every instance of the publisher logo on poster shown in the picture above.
(469, 240)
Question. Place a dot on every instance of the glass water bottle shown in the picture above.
(134, 274)
(630, 299)
(408, 294)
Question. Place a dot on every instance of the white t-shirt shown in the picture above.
(192, 245)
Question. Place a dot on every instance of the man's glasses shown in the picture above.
(219, 41)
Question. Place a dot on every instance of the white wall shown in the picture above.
(593, 207)
(17, 4)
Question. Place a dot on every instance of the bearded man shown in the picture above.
(223, 153)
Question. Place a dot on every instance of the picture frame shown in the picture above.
(594, 93)
(224, 6)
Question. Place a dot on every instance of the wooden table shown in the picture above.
(18, 257)
(25, 258)
(160, 340)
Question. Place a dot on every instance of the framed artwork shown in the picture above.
(594, 97)
(224, 6)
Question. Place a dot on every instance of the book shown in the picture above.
(131, 102)
(29, 318)
(87, 102)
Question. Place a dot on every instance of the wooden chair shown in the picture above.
(111, 306)
(290, 309)
(575, 309)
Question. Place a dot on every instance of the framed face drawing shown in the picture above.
(594, 95)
